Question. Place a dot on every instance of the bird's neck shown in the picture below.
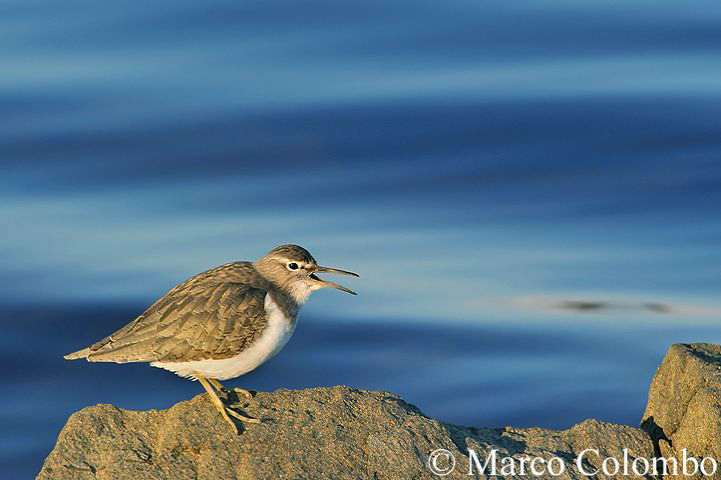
(300, 291)
(287, 303)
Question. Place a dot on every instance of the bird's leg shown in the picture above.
(224, 411)
(216, 401)
(219, 386)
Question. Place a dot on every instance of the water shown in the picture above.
(481, 165)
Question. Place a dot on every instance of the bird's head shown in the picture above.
(293, 269)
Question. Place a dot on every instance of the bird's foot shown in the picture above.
(240, 417)
(243, 391)
(232, 424)
(224, 410)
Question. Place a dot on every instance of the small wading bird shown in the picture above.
(221, 323)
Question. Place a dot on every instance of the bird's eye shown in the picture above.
(293, 266)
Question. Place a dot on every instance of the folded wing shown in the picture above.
(215, 321)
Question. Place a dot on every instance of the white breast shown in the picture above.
(276, 335)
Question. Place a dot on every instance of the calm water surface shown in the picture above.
(483, 166)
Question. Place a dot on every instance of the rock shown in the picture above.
(319, 433)
(684, 409)
(346, 433)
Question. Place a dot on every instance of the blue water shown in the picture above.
(482, 165)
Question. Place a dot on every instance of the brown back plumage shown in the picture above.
(215, 314)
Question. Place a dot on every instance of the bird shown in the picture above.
(221, 323)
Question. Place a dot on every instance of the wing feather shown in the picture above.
(215, 321)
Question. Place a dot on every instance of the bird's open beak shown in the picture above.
(324, 283)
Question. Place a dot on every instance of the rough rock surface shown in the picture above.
(333, 433)
(345, 433)
(684, 409)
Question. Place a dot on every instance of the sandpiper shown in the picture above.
(221, 323)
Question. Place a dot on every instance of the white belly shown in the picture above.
(276, 335)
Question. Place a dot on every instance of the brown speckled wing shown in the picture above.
(197, 320)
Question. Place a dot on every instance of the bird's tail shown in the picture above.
(79, 354)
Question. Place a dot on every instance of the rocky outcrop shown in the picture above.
(345, 433)
(684, 405)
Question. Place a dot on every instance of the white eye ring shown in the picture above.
(292, 266)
